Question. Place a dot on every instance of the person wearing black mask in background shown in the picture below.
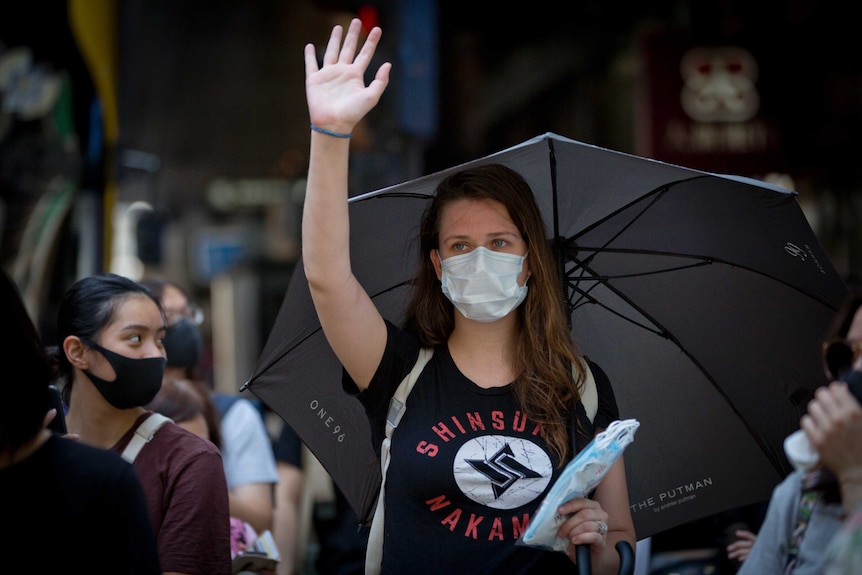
(247, 455)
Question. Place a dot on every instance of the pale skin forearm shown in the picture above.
(337, 100)
(349, 319)
(851, 490)
(286, 519)
(325, 225)
(253, 504)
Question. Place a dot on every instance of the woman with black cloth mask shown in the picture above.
(112, 360)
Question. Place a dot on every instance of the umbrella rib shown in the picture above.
(700, 263)
(655, 194)
(276, 359)
(569, 247)
(585, 298)
(660, 330)
(575, 303)
(702, 260)
(386, 195)
(281, 355)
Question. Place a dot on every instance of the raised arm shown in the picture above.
(337, 100)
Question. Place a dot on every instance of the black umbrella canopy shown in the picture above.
(704, 297)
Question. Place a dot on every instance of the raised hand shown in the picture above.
(833, 425)
(335, 91)
(742, 545)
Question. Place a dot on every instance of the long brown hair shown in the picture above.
(544, 386)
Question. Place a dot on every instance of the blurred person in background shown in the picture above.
(249, 463)
(70, 507)
(308, 502)
(833, 425)
(285, 522)
(186, 405)
(805, 510)
(111, 361)
(190, 407)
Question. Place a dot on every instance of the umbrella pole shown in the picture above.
(583, 551)
(559, 244)
(585, 566)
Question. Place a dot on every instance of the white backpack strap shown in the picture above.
(143, 434)
(399, 398)
(590, 395)
(374, 550)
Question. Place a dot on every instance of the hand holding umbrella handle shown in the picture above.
(627, 559)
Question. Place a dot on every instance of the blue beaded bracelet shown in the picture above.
(330, 133)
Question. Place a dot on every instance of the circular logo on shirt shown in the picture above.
(502, 472)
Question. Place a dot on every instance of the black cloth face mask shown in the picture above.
(137, 382)
(183, 343)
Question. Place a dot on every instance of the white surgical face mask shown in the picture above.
(483, 284)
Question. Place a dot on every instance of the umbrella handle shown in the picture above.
(627, 558)
(585, 566)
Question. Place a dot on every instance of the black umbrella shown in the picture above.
(704, 297)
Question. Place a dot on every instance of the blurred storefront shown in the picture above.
(202, 180)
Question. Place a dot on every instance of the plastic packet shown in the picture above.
(581, 475)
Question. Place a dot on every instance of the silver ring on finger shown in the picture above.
(603, 527)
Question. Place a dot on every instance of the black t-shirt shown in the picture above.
(467, 471)
(288, 447)
(73, 508)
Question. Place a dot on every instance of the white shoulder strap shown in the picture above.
(374, 550)
(399, 398)
(590, 395)
(143, 434)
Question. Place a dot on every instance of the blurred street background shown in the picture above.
(170, 137)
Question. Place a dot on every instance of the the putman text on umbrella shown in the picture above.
(672, 497)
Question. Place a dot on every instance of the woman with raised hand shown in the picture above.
(487, 428)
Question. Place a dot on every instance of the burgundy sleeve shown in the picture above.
(195, 532)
